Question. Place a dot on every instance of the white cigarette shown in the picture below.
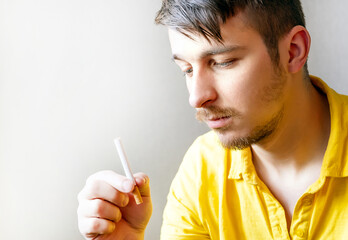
(127, 170)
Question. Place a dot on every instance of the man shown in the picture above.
(275, 164)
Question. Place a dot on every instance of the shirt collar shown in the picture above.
(335, 162)
(242, 166)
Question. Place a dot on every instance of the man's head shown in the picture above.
(271, 18)
(242, 76)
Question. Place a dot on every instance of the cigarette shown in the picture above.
(127, 170)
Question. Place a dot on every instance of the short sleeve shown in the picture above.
(181, 217)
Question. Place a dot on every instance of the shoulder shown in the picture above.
(205, 151)
(198, 175)
(188, 195)
(202, 165)
(206, 146)
(334, 98)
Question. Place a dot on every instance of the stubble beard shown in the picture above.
(258, 135)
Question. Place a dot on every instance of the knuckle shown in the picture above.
(96, 176)
(94, 186)
(95, 225)
(88, 226)
(142, 176)
(119, 198)
(83, 210)
(114, 196)
(92, 189)
(99, 207)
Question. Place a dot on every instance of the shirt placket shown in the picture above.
(277, 218)
(301, 217)
(303, 211)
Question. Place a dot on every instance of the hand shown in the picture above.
(107, 209)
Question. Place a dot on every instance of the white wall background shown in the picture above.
(75, 74)
(327, 22)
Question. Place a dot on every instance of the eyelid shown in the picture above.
(188, 71)
(224, 63)
(186, 68)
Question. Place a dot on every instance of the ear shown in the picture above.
(299, 42)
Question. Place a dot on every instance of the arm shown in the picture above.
(181, 221)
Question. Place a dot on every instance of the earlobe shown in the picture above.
(299, 45)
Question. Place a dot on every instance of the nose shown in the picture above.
(202, 90)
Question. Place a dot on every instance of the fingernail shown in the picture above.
(112, 227)
(143, 181)
(127, 185)
(140, 180)
(124, 201)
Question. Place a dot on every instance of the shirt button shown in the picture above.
(307, 201)
(277, 229)
(300, 233)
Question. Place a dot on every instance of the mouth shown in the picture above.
(218, 122)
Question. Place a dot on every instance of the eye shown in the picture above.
(224, 63)
(188, 71)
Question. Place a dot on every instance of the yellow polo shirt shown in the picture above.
(217, 194)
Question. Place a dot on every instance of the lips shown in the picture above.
(220, 122)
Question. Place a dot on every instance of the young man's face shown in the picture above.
(234, 86)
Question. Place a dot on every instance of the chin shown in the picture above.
(231, 141)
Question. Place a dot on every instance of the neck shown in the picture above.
(302, 135)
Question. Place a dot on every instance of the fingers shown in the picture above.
(92, 227)
(98, 208)
(98, 216)
(119, 182)
(103, 200)
(99, 203)
(143, 183)
(97, 189)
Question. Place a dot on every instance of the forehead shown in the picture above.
(235, 33)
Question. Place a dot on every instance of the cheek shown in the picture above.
(236, 93)
(242, 89)
(259, 75)
(247, 87)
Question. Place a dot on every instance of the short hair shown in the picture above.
(273, 19)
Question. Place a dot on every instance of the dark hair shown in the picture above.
(271, 18)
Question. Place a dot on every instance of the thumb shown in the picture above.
(143, 183)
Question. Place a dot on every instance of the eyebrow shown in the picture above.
(212, 52)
